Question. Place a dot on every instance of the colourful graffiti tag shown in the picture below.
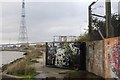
(113, 58)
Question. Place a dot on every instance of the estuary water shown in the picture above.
(9, 56)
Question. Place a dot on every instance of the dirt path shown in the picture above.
(48, 72)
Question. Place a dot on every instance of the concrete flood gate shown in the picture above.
(69, 55)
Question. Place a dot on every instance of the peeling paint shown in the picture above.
(112, 54)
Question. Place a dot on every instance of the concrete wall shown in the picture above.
(103, 57)
(95, 57)
(112, 60)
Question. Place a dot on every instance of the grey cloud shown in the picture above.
(44, 20)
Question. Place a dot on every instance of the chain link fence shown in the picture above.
(98, 14)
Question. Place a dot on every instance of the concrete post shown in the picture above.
(109, 28)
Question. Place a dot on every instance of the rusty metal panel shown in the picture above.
(95, 57)
(112, 57)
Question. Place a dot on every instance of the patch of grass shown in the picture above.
(30, 76)
(20, 68)
(38, 57)
(34, 61)
(16, 60)
(69, 72)
(4, 67)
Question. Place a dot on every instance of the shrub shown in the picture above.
(84, 37)
(21, 68)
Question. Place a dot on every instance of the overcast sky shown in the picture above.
(46, 18)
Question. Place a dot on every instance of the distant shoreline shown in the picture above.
(7, 59)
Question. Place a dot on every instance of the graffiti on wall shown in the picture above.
(112, 54)
(63, 54)
(95, 57)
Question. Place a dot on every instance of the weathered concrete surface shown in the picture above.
(57, 73)
(47, 71)
(95, 57)
(112, 57)
(103, 57)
